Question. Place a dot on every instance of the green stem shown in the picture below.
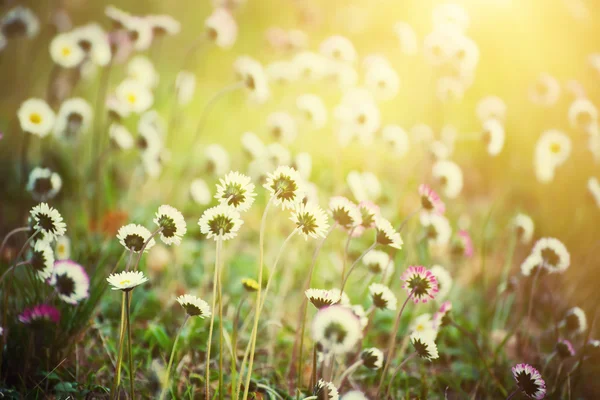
(349, 371)
(530, 306)
(355, 264)
(212, 321)
(9, 234)
(117, 380)
(398, 368)
(131, 371)
(171, 357)
(220, 299)
(345, 256)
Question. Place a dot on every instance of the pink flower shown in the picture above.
(43, 312)
(430, 201)
(419, 282)
(466, 242)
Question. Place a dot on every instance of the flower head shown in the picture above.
(236, 190)
(529, 381)
(424, 344)
(554, 254)
(286, 185)
(126, 280)
(386, 234)
(565, 348)
(133, 237)
(93, 40)
(322, 298)
(376, 261)
(65, 51)
(134, 96)
(63, 248)
(19, 21)
(372, 358)
(430, 201)
(141, 70)
(194, 306)
(75, 115)
(221, 28)
(41, 312)
(254, 78)
(344, 212)
(312, 108)
(441, 317)
(250, 284)
(310, 220)
(382, 297)
(48, 221)
(325, 391)
(449, 176)
(36, 117)
(493, 136)
(337, 329)
(491, 107)
(172, 224)
(437, 229)
(575, 320)
(444, 280)
(420, 282)
(42, 259)
(163, 24)
(220, 222)
(120, 137)
(282, 126)
(524, 226)
(70, 281)
(43, 184)
(338, 48)
(463, 245)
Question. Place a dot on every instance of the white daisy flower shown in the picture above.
(382, 297)
(43, 184)
(325, 391)
(575, 320)
(278, 154)
(372, 358)
(342, 74)
(439, 150)
(217, 159)
(594, 188)
(493, 136)
(93, 40)
(338, 48)
(322, 298)
(70, 281)
(42, 259)
(524, 227)
(163, 24)
(19, 21)
(194, 306)
(583, 114)
(310, 219)
(117, 16)
(344, 212)
(361, 314)
(531, 263)
(303, 164)
(491, 107)
(134, 96)
(253, 146)
(282, 126)
(465, 53)
(74, 116)
(126, 280)
(444, 280)
(437, 45)
(359, 116)
(407, 37)
(221, 222)
(364, 186)
(337, 329)
(556, 144)
(185, 84)
(141, 70)
(313, 110)
(236, 190)
(140, 32)
(221, 28)
(48, 221)
(65, 50)
(255, 80)
(376, 261)
(62, 248)
(200, 192)
(424, 344)
(36, 117)
(310, 66)
(286, 185)
(554, 253)
(133, 237)
(450, 177)
(545, 91)
(386, 234)
(120, 136)
(422, 133)
(397, 139)
(449, 89)
(423, 324)
(281, 71)
(437, 229)
(529, 381)
(344, 299)
(172, 223)
(354, 395)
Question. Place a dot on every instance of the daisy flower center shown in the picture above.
(131, 98)
(125, 282)
(250, 83)
(335, 332)
(220, 223)
(65, 285)
(307, 223)
(285, 187)
(426, 203)
(555, 148)
(134, 242)
(35, 118)
(550, 257)
(422, 349)
(46, 222)
(342, 217)
(66, 51)
(572, 322)
(583, 118)
(527, 384)
(38, 261)
(379, 301)
(168, 226)
(234, 194)
(431, 232)
(419, 286)
(42, 185)
(212, 33)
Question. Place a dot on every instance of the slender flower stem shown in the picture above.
(530, 306)
(313, 374)
(355, 263)
(304, 309)
(24, 156)
(168, 373)
(234, 339)
(9, 234)
(348, 372)
(407, 218)
(510, 396)
(137, 262)
(392, 341)
(115, 388)
(258, 295)
(131, 371)
(345, 256)
(212, 319)
(398, 368)
(220, 299)
(473, 340)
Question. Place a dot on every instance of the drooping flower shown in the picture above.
(491, 107)
(554, 254)
(42, 259)
(217, 159)
(440, 318)
(532, 263)
(286, 185)
(282, 126)
(382, 80)
(386, 234)
(575, 320)
(545, 91)
(236, 190)
(133, 237)
(93, 40)
(199, 192)
(43, 184)
(430, 201)
(172, 224)
(313, 109)
(48, 221)
(19, 21)
(407, 38)
(382, 297)
(420, 282)
(344, 212)
(126, 280)
(221, 28)
(376, 261)
(36, 117)
(583, 114)
(70, 281)
(163, 24)
(221, 222)
(310, 219)
(141, 70)
(437, 229)
(424, 344)
(74, 116)
(564, 348)
(372, 358)
(65, 51)
(337, 329)
(254, 78)
(322, 298)
(463, 245)
(325, 391)
(40, 312)
(524, 227)
(140, 32)
(397, 139)
(120, 136)
(338, 48)
(444, 280)
(194, 306)
(529, 381)
(449, 176)
(493, 136)
(185, 84)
